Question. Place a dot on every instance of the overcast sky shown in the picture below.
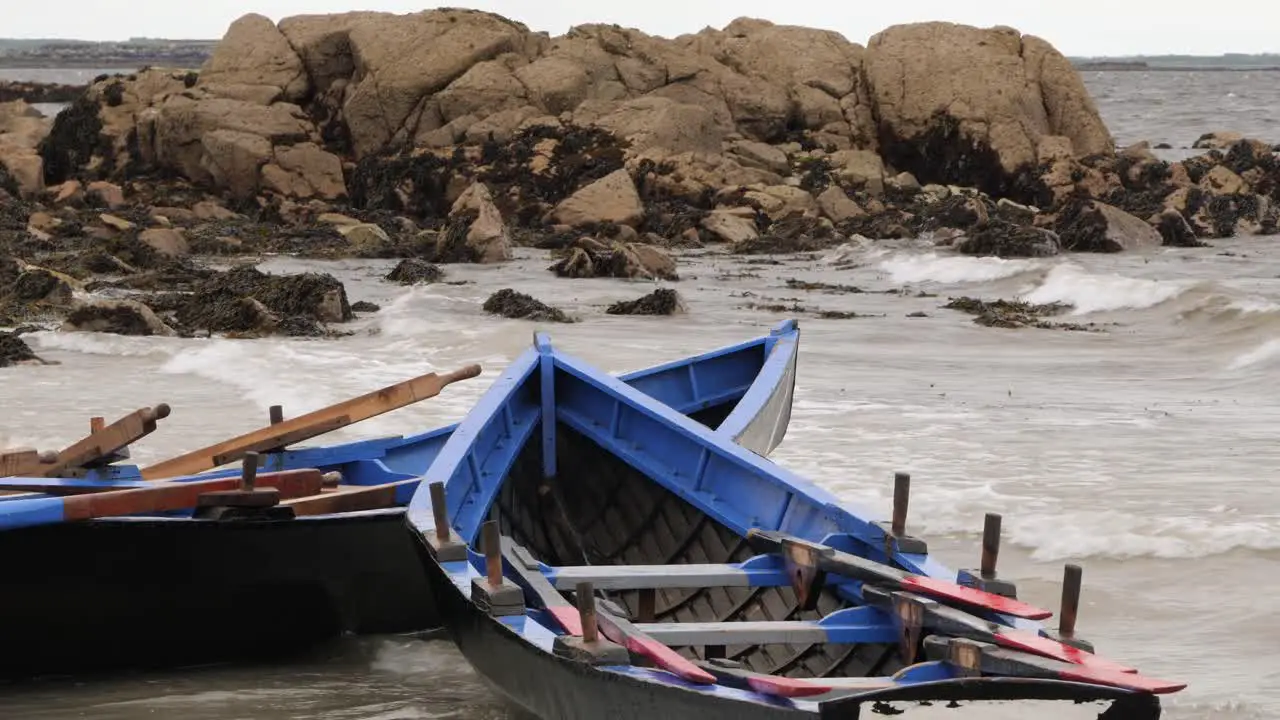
(1076, 27)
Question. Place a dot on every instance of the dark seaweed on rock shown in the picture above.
(1014, 313)
(412, 271)
(1010, 240)
(117, 319)
(75, 137)
(663, 301)
(14, 350)
(518, 306)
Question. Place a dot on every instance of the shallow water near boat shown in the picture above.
(1145, 452)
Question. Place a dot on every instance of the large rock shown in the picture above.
(255, 54)
(963, 105)
(22, 127)
(487, 239)
(611, 199)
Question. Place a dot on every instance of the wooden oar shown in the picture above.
(161, 497)
(101, 443)
(350, 499)
(835, 562)
(307, 426)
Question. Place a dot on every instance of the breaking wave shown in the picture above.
(954, 269)
(1087, 292)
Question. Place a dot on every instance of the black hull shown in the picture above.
(109, 596)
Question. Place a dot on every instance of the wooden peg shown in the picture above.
(896, 538)
(96, 424)
(249, 471)
(990, 545)
(443, 543)
(492, 553)
(439, 511)
(276, 414)
(1071, 577)
(586, 597)
(901, 497)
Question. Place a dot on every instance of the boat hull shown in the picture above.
(117, 595)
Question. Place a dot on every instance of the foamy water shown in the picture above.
(1146, 452)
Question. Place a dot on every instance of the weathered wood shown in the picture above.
(97, 445)
(182, 495)
(304, 427)
(349, 498)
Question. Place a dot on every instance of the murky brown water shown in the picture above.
(1146, 452)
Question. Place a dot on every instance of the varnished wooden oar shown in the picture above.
(350, 499)
(310, 425)
(160, 497)
(101, 443)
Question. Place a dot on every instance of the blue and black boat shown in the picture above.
(596, 554)
(108, 569)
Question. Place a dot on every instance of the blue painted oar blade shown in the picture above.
(31, 512)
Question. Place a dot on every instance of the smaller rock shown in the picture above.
(1091, 226)
(115, 223)
(1001, 238)
(108, 194)
(663, 301)
(611, 199)
(1009, 210)
(70, 192)
(1175, 230)
(120, 317)
(166, 241)
(904, 183)
(412, 271)
(516, 305)
(836, 205)
(209, 210)
(364, 306)
(1219, 140)
(732, 226)
(15, 351)
(367, 239)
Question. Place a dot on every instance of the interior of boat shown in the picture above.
(598, 510)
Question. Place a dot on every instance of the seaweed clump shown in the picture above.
(518, 306)
(1014, 314)
(663, 301)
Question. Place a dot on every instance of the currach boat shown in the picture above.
(114, 568)
(593, 554)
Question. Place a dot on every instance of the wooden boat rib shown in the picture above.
(168, 581)
(727, 586)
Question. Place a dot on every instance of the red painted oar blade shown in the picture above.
(1036, 644)
(786, 687)
(668, 659)
(973, 596)
(1128, 681)
(568, 618)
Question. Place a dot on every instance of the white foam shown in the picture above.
(106, 344)
(1120, 535)
(1253, 306)
(1089, 293)
(1261, 355)
(953, 269)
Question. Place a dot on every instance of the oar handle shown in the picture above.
(464, 373)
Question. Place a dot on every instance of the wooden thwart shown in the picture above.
(99, 444)
(304, 427)
(349, 498)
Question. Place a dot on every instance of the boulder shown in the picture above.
(255, 54)
(486, 239)
(15, 351)
(611, 199)
(120, 317)
(963, 105)
(166, 241)
(1092, 226)
(731, 225)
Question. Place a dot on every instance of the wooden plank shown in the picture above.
(182, 495)
(349, 498)
(304, 427)
(683, 576)
(96, 446)
(159, 497)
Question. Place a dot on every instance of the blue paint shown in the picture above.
(782, 346)
(547, 395)
(31, 511)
